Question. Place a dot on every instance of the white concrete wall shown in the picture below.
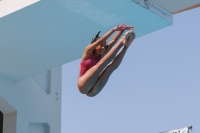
(37, 101)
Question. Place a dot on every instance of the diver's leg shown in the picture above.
(103, 78)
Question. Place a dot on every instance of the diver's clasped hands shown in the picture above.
(123, 27)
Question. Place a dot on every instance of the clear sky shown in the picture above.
(156, 87)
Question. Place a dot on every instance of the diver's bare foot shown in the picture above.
(125, 37)
(130, 39)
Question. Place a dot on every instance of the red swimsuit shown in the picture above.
(85, 65)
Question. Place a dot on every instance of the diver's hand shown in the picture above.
(123, 27)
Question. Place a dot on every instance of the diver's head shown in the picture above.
(100, 49)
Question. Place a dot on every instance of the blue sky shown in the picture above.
(156, 87)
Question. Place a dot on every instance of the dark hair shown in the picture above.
(96, 37)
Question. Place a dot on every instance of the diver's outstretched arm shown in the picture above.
(116, 37)
(90, 48)
(113, 41)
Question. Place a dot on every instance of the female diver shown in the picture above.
(95, 69)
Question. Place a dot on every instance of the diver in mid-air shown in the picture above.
(95, 69)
